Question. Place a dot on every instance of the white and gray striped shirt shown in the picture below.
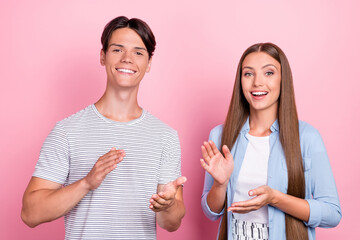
(119, 208)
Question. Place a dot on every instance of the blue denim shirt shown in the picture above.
(321, 192)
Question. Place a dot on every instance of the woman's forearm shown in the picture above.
(216, 197)
(296, 207)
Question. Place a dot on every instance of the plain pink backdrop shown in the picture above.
(50, 69)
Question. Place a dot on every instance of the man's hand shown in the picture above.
(104, 165)
(166, 197)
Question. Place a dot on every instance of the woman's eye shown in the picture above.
(269, 73)
(247, 74)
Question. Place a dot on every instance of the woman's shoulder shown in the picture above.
(215, 134)
(310, 138)
(307, 130)
(217, 130)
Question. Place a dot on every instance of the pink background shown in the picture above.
(50, 69)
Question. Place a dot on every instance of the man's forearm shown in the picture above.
(170, 219)
(44, 205)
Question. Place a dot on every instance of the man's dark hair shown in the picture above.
(138, 25)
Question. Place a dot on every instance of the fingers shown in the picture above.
(112, 154)
(168, 192)
(110, 158)
(247, 203)
(256, 191)
(156, 199)
(213, 147)
(205, 154)
(209, 149)
(180, 181)
(243, 209)
(263, 190)
(226, 152)
(104, 165)
(261, 199)
(245, 206)
(158, 203)
(204, 165)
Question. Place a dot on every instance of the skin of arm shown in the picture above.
(168, 204)
(216, 197)
(265, 195)
(44, 200)
(220, 168)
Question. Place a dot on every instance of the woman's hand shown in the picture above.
(264, 195)
(218, 166)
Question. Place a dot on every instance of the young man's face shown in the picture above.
(126, 60)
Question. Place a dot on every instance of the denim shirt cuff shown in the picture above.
(315, 213)
(210, 214)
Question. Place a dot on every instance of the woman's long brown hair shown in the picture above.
(288, 132)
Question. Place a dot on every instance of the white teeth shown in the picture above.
(259, 93)
(125, 70)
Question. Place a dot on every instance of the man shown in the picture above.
(112, 169)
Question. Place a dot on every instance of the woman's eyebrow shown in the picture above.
(248, 67)
(267, 65)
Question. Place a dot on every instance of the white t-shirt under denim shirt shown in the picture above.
(253, 174)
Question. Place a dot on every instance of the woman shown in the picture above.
(276, 181)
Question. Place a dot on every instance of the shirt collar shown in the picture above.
(275, 126)
(246, 128)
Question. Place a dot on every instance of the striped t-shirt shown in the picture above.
(119, 207)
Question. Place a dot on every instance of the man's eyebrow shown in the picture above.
(122, 46)
(116, 45)
(140, 48)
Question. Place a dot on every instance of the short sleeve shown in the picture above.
(170, 168)
(53, 163)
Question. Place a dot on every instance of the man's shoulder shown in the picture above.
(78, 118)
(155, 123)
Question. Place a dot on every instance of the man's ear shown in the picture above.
(149, 65)
(102, 57)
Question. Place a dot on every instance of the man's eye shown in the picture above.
(116, 50)
(139, 53)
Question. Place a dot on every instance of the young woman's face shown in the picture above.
(260, 80)
(126, 60)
